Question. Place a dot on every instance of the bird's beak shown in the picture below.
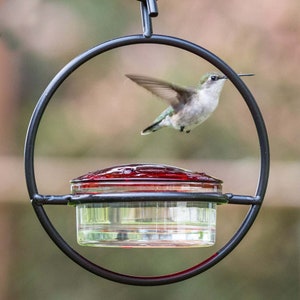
(247, 74)
(240, 75)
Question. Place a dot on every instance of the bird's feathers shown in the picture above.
(174, 95)
(169, 111)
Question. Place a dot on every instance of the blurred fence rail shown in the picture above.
(239, 176)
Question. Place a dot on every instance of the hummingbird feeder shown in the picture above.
(146, 205)
(140, 223)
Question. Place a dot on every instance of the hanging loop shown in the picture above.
(148, 10)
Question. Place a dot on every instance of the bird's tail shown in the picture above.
(152, 128)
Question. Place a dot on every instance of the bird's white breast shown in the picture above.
(196, 111)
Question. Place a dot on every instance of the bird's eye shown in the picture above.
(214, 77)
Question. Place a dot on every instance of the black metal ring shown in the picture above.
(255, 201)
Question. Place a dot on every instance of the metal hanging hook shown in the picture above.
(148, 10)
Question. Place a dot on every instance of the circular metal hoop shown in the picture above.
(39, 200)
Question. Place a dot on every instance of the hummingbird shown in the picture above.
(188, 106)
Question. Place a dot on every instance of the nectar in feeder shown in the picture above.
(146, 223)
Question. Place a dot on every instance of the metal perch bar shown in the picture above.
(144, 196)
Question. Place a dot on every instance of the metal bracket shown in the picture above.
(38, 201)
(148, 10)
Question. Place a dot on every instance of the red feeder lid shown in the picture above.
(145, 172)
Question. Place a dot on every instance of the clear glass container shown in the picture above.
(146, 223)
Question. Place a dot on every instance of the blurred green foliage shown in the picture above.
(251, 43)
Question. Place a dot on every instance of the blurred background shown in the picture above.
(94, 121)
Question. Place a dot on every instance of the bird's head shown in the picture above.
(213, 81)
(216, 81)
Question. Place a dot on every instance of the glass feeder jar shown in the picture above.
(146, 224)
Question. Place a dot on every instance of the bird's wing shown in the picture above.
(174, 95)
